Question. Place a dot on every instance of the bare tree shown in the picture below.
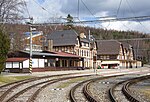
(10, 10)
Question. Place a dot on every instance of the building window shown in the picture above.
(107, 57)
(82, 53)
(87, 53)
(87, 44)
(62, 61)
(98, 57)
(113, 57)
(104, 57)
(56, 49)
(63, 49)
(82, 44)
(101, 57)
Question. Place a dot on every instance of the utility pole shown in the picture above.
(30, 60)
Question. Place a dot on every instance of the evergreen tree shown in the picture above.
(4, 48)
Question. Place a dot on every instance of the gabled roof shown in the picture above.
(63, 38)
(111, 47)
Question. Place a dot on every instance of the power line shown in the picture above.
(78, 11)
(118, 13)
(135, 15)
(97, 21)
(119, 8)
(26, 8)
(117, 19)
(87, 8)
(42, 7)
(91, 12)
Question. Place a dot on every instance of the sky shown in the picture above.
(51, 10)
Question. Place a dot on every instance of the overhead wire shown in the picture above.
(119, 8)
(43, 8)
(137, 42)
(125, 24)
(91, 12)
(87, 8)
(135, 15)
(78, 10)
(26, 8)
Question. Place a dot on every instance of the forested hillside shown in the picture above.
(111, 34)
(141, 47)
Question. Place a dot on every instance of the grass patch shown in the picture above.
(66, 84)
(9, 79)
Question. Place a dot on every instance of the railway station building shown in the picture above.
(115, 54)
(18, 61)
(68, 50)
(70, 41)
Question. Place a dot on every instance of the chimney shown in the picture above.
(50, 45)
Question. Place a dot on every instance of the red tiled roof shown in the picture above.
(63, 54)
(16, 59)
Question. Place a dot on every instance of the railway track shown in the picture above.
(115, 91)
(88, 95)
(72, 91)
(7, 89)
(30, 93)
(123, 87)
(33, 97)
(127, 91)
(116, 87)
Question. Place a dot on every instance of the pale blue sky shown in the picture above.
(89, 9)
(41, 1)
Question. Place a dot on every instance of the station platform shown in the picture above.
(101, 72)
